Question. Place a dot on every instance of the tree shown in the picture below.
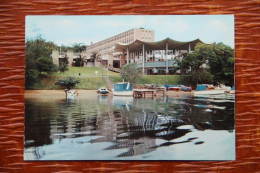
(45, 64)
(130, 73)
(222, 64)
(67, 83)
(38, 59)
(79, 61)
(220, 59)
(194, 61)
(79, 47)
(94, 56)
(63, 67)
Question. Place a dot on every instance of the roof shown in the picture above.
(137, 45)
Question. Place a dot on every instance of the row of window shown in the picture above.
(115, 38)
(122, 38)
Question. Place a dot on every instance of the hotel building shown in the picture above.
(136, 46)
(106, 46)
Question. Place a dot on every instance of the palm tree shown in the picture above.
(79, 61)
(95, 56)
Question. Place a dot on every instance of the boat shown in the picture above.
(123, 89)
(71, 94)
(102, 90)
(231, 91)
(178, 88)
(173, 87)
(185, 88)
(205, 89)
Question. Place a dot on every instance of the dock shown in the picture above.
(142, 93)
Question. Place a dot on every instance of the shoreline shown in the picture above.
(91, 93)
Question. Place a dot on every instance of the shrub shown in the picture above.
(68, 83)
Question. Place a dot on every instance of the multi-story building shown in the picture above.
(135, 46)
(105, 47)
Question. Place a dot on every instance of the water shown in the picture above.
(124, 128)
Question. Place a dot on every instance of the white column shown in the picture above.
(166, 56)
(189, 48)
(143, 59)
(127, 55)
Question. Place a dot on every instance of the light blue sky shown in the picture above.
(67, 30)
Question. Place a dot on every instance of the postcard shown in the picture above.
(129, 87)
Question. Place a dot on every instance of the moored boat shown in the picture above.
(123, 89)
(71, 94)
(231, 91)
(205, 89)
(102, 90)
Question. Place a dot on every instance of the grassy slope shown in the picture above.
(91, 80)
(162, 80)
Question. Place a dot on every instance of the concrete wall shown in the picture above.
(70, 57)
(90, 64)
(144, 35)
(105, 46)
(97, 64)
(110, 60)
(55, 57)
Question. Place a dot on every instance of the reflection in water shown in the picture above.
(125, 127)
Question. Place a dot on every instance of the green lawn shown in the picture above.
(86, 71)
(90, 80)
(164, 79)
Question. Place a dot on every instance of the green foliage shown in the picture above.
(222, 64)
(31, 76)
(78, 47)
(94, 56)
(200, 56)
(79, 61)
(130, 73)
(220, 59)
(38, 59)
(45, 64)
(68, 83)
(63, 67)
(194, 61)
(203, 77)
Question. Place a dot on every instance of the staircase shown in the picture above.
(111, 68)
(109, 82)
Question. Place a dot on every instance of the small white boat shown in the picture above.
(71, 94)
(204, 89)
(232, 91)
(123, 89)
(102, 90)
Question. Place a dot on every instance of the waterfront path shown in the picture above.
(109, 82)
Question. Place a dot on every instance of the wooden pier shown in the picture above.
(142, 93)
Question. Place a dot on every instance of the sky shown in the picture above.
(67, 30)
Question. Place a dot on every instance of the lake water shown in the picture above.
(123, 128)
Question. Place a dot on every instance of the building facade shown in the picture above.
(106, 47)
(134, 46)
(58, 56)
(154, 57)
